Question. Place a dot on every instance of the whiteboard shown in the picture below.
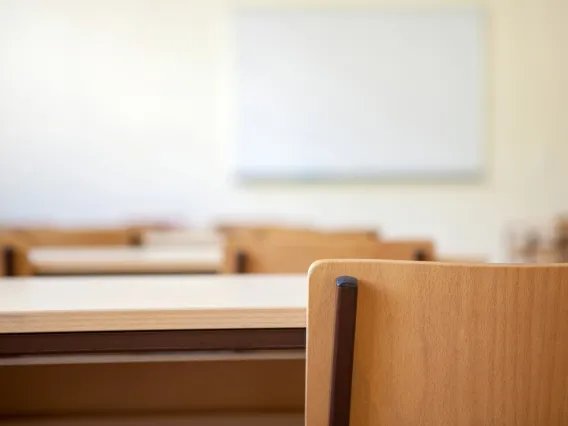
(339, 94)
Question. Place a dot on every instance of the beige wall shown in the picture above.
(152, 84)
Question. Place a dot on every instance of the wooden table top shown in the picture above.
(65, 304)
(77, 260)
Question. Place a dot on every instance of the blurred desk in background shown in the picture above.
(125, 260)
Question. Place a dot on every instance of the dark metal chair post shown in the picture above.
(343, 351)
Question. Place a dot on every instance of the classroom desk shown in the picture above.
(147, 345)
(47, 315)
(125, 260)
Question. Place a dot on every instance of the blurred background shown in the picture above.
(230, 137)
(130, 112)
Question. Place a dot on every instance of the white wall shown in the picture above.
(114, 108)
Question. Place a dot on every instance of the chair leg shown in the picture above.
(240, 261)
(420, 256)
(344, 346)
(9, 261)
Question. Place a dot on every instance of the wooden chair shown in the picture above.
(253, 242)
(294, 235)
(436, 344)
(298, 235)
(17, 243)
(269, 257)
(56, 237)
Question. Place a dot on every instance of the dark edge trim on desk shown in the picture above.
(18, 344)
(343, 350)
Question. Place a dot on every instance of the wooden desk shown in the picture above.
(151, 303)
(125, 260)
(181, 237)
(224, 336)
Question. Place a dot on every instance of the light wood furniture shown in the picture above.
(437, 344)
(233, 419)
(120, 260)
(291, 235)
(316, 235)
(12, 255)
(276, 257)
(193, 348)
(72, 304)
(65, 237)
(182, 238)
(20, 241)
(462, 259)
(199, 392)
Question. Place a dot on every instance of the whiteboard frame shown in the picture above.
(443, 176)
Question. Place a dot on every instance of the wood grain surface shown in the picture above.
(127, 389)
(65, 237)
(152, 303)
(297, 234)
(275, 257)
(219, 419)
(445, 344)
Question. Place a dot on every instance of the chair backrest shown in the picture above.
(252, 242)
(20, 241)
(283, 234)
(273, 257)
(74, 237)
(292, 235)
(439, 344)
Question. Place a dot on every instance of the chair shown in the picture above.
(18, 243)
(56, 237)
(274, 257)
(436, 344)
(294, 235)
